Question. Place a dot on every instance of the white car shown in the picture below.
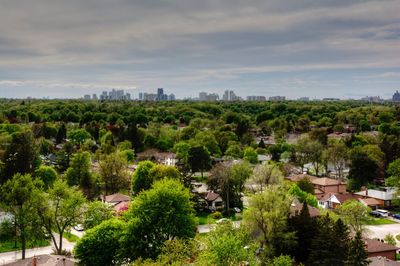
(79, 227)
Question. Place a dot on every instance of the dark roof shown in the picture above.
(117, 197)
(296, 208)
(375, 246)
(44, 260)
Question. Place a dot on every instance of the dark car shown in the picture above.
(396, 216)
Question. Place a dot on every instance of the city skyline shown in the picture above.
(316, 49)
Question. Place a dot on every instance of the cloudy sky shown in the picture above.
(326, 48)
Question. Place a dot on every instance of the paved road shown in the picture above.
(380, 231)
(12, 256)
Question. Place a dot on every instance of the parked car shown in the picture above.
(376, 214)
(396, 216)
(78, 227)
(384, 213)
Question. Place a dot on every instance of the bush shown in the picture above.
(216, 215)
(6, 230)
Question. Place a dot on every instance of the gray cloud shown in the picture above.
(252, 46)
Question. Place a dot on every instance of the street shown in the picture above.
(380, 231)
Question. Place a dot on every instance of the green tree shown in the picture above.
(283, 260)
(363, 169)
(354, 213)
(47, 174)
(96, 213)
(21, 155)
(113, 172)
(100, 245)
(79, 136)
(234, 151)
(79, 174)
(263, 176)
(141, 178)
(162, 213)
(250, 155)
(306, 185)
(267, 215)
(229, 180)
(337, 154)
(17, 198)
(227, 245)
(160, 171)
(61, 133)
(59, 209)
(199, 159)
(358, 255)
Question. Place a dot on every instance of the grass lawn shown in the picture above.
(70, 237)
(6, 246)
(379, 221)
(205, 218)
(398, 237)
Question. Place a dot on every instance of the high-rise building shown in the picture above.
(396, 97)
(277, 98)
(203, 96)
(86, 97)
(160, 94)
(229, 95)
(171, 97)
(94, 96)
(256, 98)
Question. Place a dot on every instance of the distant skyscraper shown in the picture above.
(229, 96)
(160, 94)
(141, 98)
(277, 98)
(94, 96)
(396, 97)
(203, 96)
(256, 98)
(86, 97)
(171, 97)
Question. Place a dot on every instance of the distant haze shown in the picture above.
(327, 48)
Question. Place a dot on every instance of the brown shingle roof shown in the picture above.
(370, 201)
(344, 197)
(296, 178)
(325, 181)
(374, 246)
(211, 196)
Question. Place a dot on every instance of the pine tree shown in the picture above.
(342, 240)
(358, 255)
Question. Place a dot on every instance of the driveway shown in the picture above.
(380, 231)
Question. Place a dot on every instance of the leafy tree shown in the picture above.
(160, 171)
(337, 154)
(306, 185)
(199, 159)
(363, 169)
(303, 196)
(234, 151)
(59, 209)
(141, 178)
(267, 215)
(250, 155)
(229, 180)
(79, 174)
(227, 245)
(358, 255)
(21, 156)
(283, 260)
(113, 173)
(354, 213)
(156, 215)
(47, 174)
(17, 198)
(263, 176)
(100, 245)
(79, 136)
(307, 151)
(96, 213)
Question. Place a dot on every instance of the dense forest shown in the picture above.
(59, 157)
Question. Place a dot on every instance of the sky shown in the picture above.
(326, 48)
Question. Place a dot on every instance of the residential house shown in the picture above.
(214, 201)
(332, 200)
(166, 158)
(296, 207)
(383, 195)
(119, 202)
(205, 198)
(329, 185)
(377, 248)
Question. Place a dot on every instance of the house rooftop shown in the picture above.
(296, 178)
(374, 246)
(211, 196)
(326, 181)
(117, 197)
(382, 261)
(44, 260)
